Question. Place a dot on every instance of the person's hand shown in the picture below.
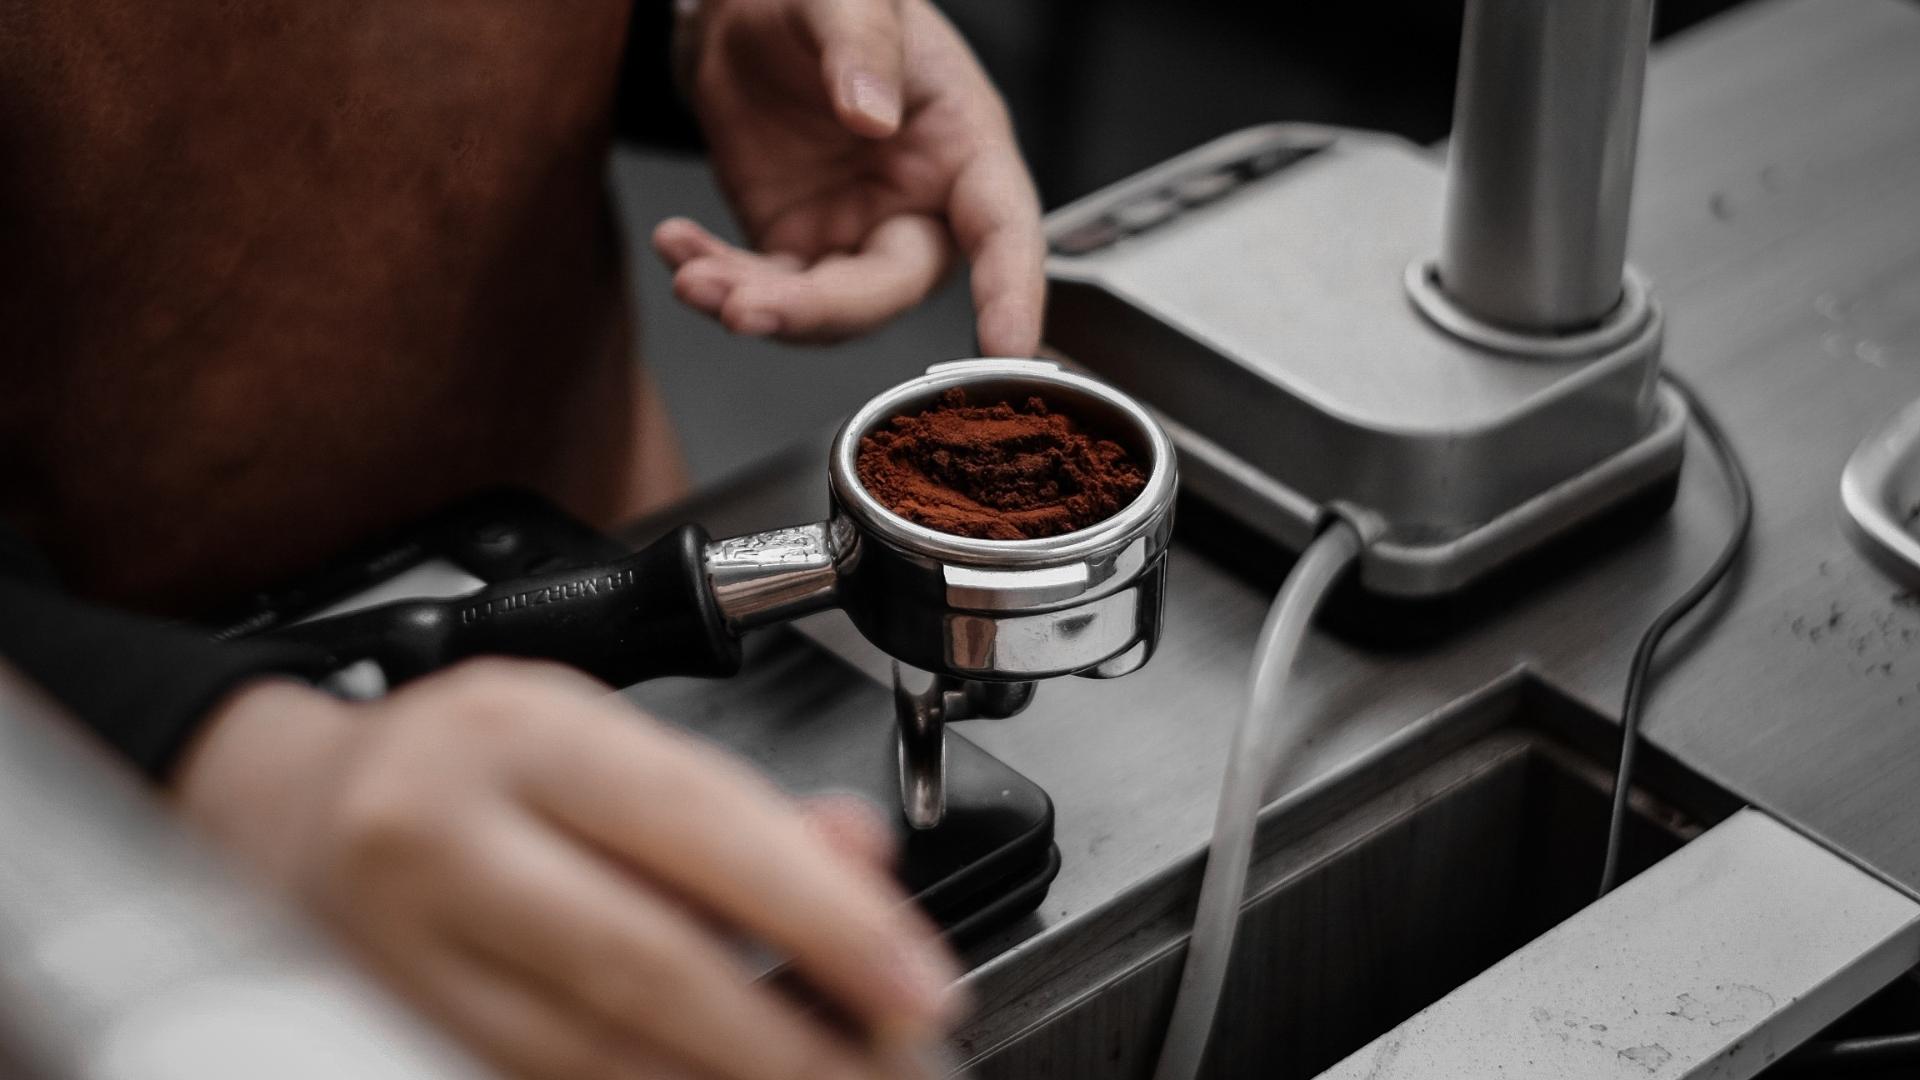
(564, 882)
(858, 141)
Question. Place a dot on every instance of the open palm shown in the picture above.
(859, 143)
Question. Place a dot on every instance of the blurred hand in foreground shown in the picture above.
(560, 879)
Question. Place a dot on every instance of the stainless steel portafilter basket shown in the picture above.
(1085, 602)
(971, 624)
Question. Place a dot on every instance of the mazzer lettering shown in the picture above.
(547, 594)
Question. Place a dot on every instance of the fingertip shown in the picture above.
(680, 239)
(869, 103)
(670, 235)
(862, 61)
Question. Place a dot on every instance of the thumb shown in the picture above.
(862, 58)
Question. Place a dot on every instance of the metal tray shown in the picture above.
(1880, 489)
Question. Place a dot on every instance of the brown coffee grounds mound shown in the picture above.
(996, 472)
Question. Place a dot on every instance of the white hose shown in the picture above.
(1269, 737)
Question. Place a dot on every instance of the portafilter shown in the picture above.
(971, 624)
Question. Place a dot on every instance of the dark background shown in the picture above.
(1099, 89)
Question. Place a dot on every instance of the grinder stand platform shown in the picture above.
(1269, 294)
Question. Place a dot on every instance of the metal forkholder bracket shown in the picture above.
(924, 703)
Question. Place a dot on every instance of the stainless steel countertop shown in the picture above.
(1778, 213)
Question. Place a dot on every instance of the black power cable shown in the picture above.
(1641, 669)
(1841, 1056)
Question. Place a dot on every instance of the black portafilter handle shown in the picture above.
(640, 617)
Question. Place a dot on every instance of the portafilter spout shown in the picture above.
(979, 620)
(923, 704)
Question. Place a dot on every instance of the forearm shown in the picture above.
(143, 685)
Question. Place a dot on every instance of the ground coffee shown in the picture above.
(996, 472)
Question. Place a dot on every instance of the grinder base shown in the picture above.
(1267, 295)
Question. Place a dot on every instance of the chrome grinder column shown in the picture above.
(1540, 170)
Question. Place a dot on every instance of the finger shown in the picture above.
(631, 958)
(525, 1031)
(862, 59)
(842, 295)
(678, 240)
(996, 219)
(850, 825)
(699, 822)
(705, 283)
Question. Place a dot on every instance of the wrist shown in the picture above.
(255, 771)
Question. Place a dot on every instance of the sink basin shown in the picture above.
(1427, 910)
(1371, 897)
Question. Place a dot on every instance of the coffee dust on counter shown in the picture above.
(1001, 471)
